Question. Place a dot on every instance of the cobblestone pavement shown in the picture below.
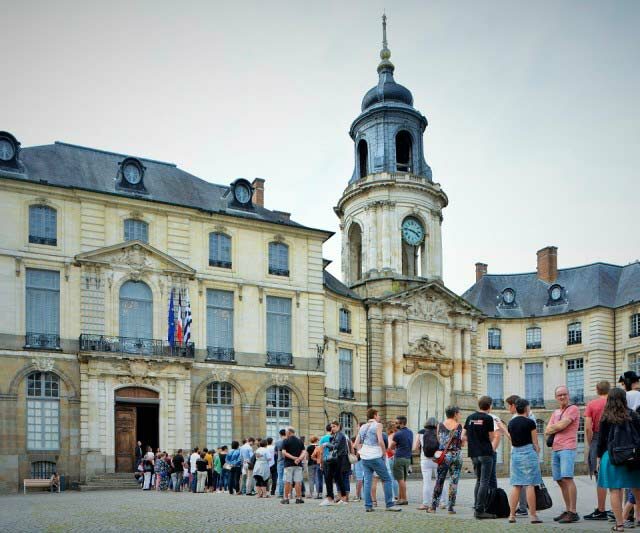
(149, 511)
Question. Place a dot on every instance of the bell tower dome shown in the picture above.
(391, 210)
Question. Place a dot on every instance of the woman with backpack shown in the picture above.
(619, 432)
(448, 457)
(426, 444)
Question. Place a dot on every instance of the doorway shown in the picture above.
(136, 418)
(426, 400)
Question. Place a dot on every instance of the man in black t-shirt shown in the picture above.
(294, 453)
(478, 429)
(176, 473)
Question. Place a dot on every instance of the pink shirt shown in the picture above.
(567, 439)
(594, 410)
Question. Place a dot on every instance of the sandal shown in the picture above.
(422, 508)
(512, 519)
(617, 528)
(431, 510)
(535, 520)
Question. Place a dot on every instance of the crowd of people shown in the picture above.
(383, 454)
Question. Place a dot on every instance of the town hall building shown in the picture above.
(97, 247)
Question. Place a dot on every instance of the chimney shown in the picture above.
(481, 270)
(548, 264)
(258, 191)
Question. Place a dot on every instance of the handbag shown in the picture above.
(440, 456)
(543, 498)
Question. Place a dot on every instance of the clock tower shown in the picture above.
(391, 211)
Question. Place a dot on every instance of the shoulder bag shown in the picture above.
(440, 456)
(552, 437)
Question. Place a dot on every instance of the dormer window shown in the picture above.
(509, 297)
(132, 175)
(9, 150)
(556, 294)
(242, 193)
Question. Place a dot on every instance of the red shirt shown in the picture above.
(594, 410)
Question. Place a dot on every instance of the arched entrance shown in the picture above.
(426, 399)
(136, 419)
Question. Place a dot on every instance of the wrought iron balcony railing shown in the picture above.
(347, 394)
(536, 402)
(279, 359)
(219, 263)
(215, 353)
(42, 340)
(534, 345)
(498, 403)
(278, 271)
(49, 241)
(134, 345)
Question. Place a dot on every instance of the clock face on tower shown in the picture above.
(412, 231)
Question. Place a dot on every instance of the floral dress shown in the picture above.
(452, 464)
(163, 472)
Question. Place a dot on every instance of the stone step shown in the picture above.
(91, 487)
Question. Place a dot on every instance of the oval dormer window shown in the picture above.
(508, 296)
(555, 293)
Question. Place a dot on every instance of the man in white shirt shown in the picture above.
(192, 468)
(631, 383)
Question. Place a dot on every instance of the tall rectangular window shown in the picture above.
(534, 338)
(345, 373)
(495, 384)
(278, 330)
(136, 230)
(220, 325)
(574, 333)
(345, 321)
(43, 411)
(43, 308)
(43, 225)
(575, 379)
(278, 259)
(634, 326)
(534, 384)
(219, 250)
(634, 362)
(494, 339)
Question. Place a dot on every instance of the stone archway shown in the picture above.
(426, 399)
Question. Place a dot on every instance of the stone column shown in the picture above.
(398, 345)
(179, 414)
(372, 251)
(386, 235)
(466, 364)
(457, 360)
(94, 414)
(388, 354)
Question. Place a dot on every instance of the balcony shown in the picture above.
(219, 264)
(49, 241)
(534, 345)
(498, 403)
(133, 345)
(223, 355)
(347, 394)
(279, 359)
(278, 271)
(345, 330)
(42, 341)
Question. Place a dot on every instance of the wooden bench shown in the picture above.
(38, 483)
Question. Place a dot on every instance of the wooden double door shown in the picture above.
(136, 418)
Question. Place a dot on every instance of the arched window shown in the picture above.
(355, 252)
(363, 158)
(348, 422)
(404, 152)
(278, 259)
(43, 411)
(136, 230)
(43, 225)
(136, 316)
(540, 426)
(219, 250)
(219, 414)
(278, 410)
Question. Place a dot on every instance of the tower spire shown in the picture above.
(385, 53)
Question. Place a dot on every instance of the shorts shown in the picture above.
(293, 474)
(260, 481)
(359, 471)
(401, 468)
(562, 464)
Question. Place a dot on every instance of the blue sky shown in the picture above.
(533, 108)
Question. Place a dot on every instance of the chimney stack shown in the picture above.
(481, 270)
(258, 191)
(548, 264)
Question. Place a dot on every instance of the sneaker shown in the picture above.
(402, 502)
(596, 515)
(325, 502)
(451, 510)
(341, 502)
(629, 524)
(284, 500)
(318, 497)
(484, 516)
(522, 512)
(393, 509)
(299, 500)
(560, 516)
(368, 510)
(569, 518)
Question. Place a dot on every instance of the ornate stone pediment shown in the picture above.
(137, 258)
(425, 347)
(427, 354)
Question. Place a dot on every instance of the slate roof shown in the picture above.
(79, 167)
(335, 285)
(595, 285)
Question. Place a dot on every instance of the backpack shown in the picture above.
(498, 503)
(624, 443)
(430, 444)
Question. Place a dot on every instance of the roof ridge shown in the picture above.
(596, 263)
(108, 152)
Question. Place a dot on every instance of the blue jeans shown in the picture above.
(483, 466)
(493, 481)
(378, 466)
(223, 481)
(315, 479)
(280, 487)
(394, 483)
